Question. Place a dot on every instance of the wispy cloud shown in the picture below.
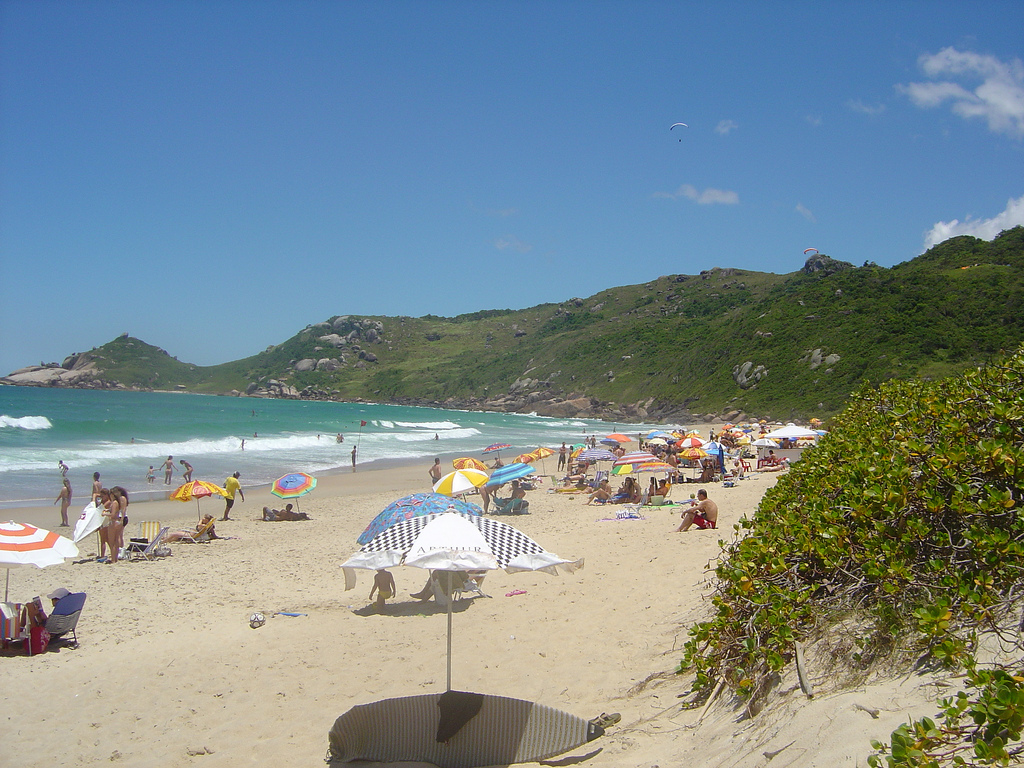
(504, 212)
(999, 99)
(986, 229)
(814, 121)
(709, 196)
(865, 109)
(511, 242)
(725, 127)
(805, 212)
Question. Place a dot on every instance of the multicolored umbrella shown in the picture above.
(692, 441)
(636, 457)
(646, 466)
(197, 489)
(460, 481)
(468, 463)
(416, 505)
(293, 485)
(524, 458)
(22, 544)
(497, 447)
(692, 454)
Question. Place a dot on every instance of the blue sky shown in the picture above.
(213, 176)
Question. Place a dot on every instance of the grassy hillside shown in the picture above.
(678, 341)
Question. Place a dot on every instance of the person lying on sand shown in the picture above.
(277, 515)
(783, 464)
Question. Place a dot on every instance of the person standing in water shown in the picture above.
(168, 470)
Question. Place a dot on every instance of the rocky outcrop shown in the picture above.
(821, 265)
(748, 376)
(78, 371)
(272, 388)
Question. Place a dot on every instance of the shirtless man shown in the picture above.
(703, 514)
(435, 472)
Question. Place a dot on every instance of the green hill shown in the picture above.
(787, 346)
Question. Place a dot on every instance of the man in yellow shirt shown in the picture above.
(232, 486)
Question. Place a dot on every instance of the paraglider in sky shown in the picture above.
(810, 250)
(674, 125)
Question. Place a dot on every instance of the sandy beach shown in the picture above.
(169, 673)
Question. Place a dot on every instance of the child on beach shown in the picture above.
(384, 586)
(151, 475)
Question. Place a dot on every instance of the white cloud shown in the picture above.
(725, 127)
(999, 99)
(709, 196)
(805, 213)
(815, 121)
(985, 229)
(865, 109)
(512, 242)
(504, 212)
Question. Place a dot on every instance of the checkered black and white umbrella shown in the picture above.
(454, 542)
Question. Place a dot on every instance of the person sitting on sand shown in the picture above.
(703, 513)
(441, 578)
(601, 494)
(384, 586)
(628, 493)
(211, 532)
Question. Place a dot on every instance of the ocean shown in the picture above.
(120, 434)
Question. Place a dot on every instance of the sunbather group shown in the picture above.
(277, 515)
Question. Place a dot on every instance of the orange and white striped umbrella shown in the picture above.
(22, 544)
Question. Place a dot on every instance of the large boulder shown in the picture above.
(307, 364)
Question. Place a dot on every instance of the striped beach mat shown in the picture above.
(456, 730)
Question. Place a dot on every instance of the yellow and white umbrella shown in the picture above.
(460, 481)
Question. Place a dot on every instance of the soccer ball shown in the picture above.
(257, 620)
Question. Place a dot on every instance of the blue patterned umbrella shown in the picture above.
(414, 506)
(596, 454)
(509, 472)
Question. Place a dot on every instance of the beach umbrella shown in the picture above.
(88, 522)
(468, 463)
(658, 441)
(636, 457)
(415, 505)
(22, 544)
(791, 431)
(692, 454)
(691, 441)
(618, 437)
(595, 454)
(524, 458)
(657, 433)
(197, 489)
(293, 485)
(765, 442)
(509, 472)
(460, 481)
(497, 448)
(454, 542)
(543, 452)
(609, 441)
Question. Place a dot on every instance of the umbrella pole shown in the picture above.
(7, 589)
(450, 627)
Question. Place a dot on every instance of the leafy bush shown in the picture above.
(907, 515)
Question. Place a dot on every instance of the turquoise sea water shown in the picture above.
(93, 431)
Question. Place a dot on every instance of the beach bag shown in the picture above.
(38, 640)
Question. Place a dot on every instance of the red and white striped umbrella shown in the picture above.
(636, 457)
(22, 544)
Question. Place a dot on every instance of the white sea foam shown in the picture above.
(25, 422)
(435, 425)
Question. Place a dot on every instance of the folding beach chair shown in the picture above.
(151, 550)
(148, 531)
(469, 584)
(64, 617)
(202, 534)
